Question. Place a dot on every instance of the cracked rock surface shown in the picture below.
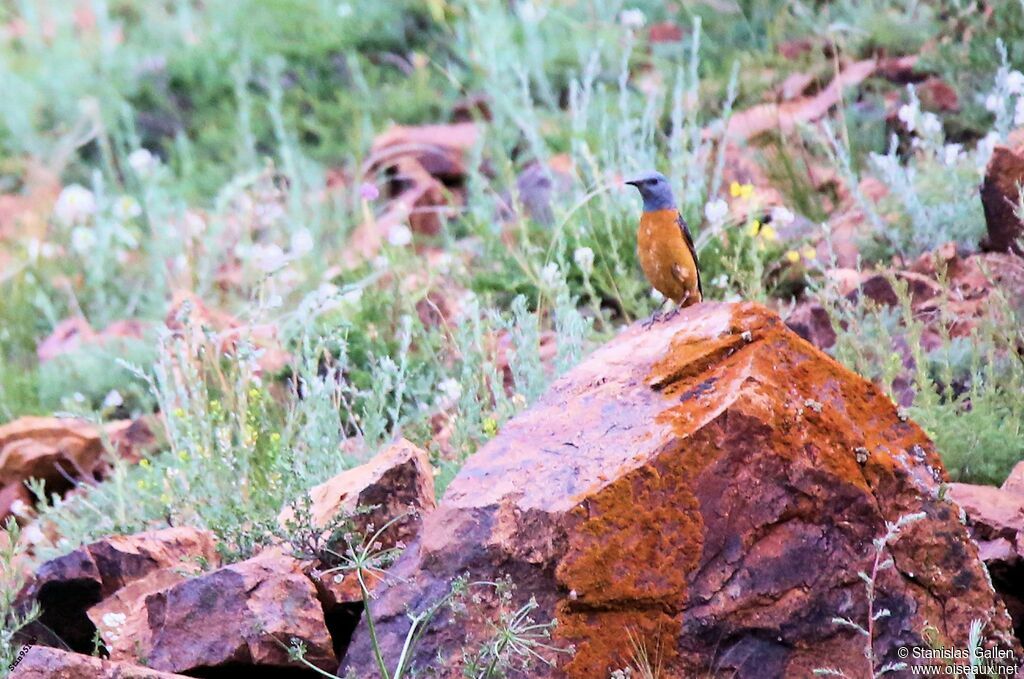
(711, 488)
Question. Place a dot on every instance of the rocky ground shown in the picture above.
(322, 347)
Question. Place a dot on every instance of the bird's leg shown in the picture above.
(675, 311)
(655, 318)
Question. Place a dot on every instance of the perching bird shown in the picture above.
(665, 245)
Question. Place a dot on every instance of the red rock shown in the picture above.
(811, 321)
(999, 196)
(992, 512)
(938, 95)
(714, 483)
(439, 149)
(69, 585)
(42, 662)
(34, 447)
(900, 69)
(233, 619)
(794, 49)
(850, 224)
(398, 479)
(795, 85)
(995, 519)
(68, 335)
(131, 439)
(72, 333)
(786, 116)
(665, 31)
(24, 215)
(1014, 483)
(187, 311)
(129, 601)
(59, 449)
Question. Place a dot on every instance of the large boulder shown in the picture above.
(710, 487)
(66, 587)
(240, 618)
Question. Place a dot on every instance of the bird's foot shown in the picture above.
(656, 317)
(672, 314)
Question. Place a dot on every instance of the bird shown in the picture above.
(665, 246)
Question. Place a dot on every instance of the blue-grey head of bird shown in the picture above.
(655, 190)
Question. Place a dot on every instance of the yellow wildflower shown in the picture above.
(737, 190)
(144, 463)
(793, 256)
(753, 227)
(809, 253)
(767, 232)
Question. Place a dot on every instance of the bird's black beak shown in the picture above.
(632, 182)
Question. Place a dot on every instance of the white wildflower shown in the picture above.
(716, 212)
(993, 102)
(33, 534)
(529, 12)
(36, 248)
(269, 212)
(951, 153)
(19, 508)
(194, 224)
(549, 275)
(302, 242)
(1015, 82)
(449, 391)
(126, 207)
(268, 257)
(83, 239)
(632, 18)
(782, 215)
(908, 115)
(142, 162)
(584, 258)
(400, 235)
(931, 126)
(113, 399)
(1018, 112)
(75, 204)
(344, 10)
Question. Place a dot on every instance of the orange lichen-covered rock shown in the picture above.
(710, 487)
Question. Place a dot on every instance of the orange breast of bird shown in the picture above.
(666, 257)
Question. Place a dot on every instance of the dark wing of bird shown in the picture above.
(693, 252)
